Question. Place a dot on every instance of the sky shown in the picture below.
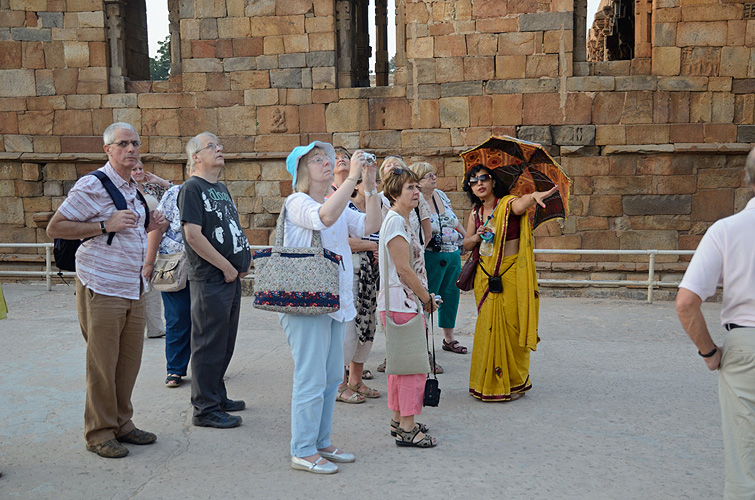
(157, 22)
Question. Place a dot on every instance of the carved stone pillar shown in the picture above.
(381, 44)
(346, 43)
(400, 74)
(175, 37)
(580, 30)
(643, 28)
(362, 38)
(115, 11)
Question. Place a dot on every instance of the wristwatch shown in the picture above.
(102, 227)
(367, 194)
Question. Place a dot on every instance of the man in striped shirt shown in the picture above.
(109, 286)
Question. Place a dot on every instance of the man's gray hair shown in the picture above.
(109, 135)
(750, 169)
(193, 147)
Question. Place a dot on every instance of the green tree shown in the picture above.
(159, 67)
(392, 65)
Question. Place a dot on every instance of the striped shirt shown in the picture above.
(115, 269)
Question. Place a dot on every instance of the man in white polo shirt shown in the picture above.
(726, 254)
(109, 286)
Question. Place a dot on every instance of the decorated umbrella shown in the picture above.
(525, 167)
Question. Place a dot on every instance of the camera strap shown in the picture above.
(431, 334)
(504, 272)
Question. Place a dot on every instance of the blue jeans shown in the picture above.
(317, 348)
(177, 330)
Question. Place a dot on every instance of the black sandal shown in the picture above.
(173, 381)
(394, 427)
(406, 438)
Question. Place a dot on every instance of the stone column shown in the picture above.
(362, 38)
(175, 37)
(381, 43)
(400, 76)
(345, 33)
(115, 11)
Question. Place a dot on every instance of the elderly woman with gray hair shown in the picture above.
(317, 341)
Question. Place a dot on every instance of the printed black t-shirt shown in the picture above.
(210, 206)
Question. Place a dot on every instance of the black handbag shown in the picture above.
(432, 390)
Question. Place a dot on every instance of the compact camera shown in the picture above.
(370, 158)
(435, 243)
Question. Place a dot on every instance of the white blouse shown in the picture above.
(303, 218)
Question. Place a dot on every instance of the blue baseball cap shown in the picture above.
(292, 162)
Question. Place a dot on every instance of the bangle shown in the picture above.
(711, 353)
(367, 194)
(102, 227)
(149, 264)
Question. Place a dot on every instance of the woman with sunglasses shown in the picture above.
(317, 341)
(505, 286)
(442, 257)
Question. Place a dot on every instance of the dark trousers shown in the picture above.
(177, 330)
(215, 307)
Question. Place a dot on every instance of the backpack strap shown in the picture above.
(118, 200)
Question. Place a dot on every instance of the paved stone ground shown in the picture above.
(622, 408)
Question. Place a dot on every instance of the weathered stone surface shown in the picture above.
(523, 86)
(746, 133)
(420, 139)
(31, 35)
(656, 205)
(546, 21)
(18, 83)
(461, 89)
(285, 78)
(712, 204)
(574, 135)
(454, 112)
(540, 135)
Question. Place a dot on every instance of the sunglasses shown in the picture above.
(479, 178)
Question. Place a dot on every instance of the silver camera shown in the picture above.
(369, 157)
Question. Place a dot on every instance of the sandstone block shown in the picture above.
(744, 109)
(712, 204)
(73, 122)
(481, 111)
(574, 135)
(734, 61)
(278, 25)
(746, 133)
(686, 132)
(426, 114)
(638, 108)
(676, 185)
(585, 166)
(420, 48)
(247, 47)
(552, 41)
(321, 58)
(645, 240)
(204, 65)
(482, 44)
(10, 55)
(591, 83)
(93, 19)
(237, 120)
(244, 80)
(666, 61)
(648, 134)
(390, 114)
(510, 67)
(240, 64)
(719, 178)
(479, 68)
(622, 185)
(201, 49)
(516, 44)
(454, 112)
(297, 96)
(447, 69)
(422, 139)
(720, 132)
(33, 56)
(461, 89)
(36, 122)
(665, 35)
(546, 21)
(711, 34)
(423, 71)
(296, 60)
(710, 12)
(541, 65)
(539, 135)
(657, 205)
(700, 61)
(18, 83)
(32, 172)
(349, 115)
(31, 34)
(323, 78)
(233, 27)
(18, 143)
(542, 109)
(607, 107)
(523, 86)
(12, 209)
(286, 78)
(92, 81)
(497, 25)
(610, 134)
(719, 84)
(312, 118)
(210, 8)
(636, 82)
(160, 122)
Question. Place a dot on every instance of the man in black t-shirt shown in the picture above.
(218, 255)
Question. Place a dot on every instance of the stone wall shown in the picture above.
(654, 145)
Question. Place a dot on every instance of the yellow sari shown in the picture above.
(3, 305)
(506, 329)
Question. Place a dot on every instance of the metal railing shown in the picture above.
(651, 282)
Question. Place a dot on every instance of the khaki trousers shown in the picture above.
(736, 392)
(113, 328)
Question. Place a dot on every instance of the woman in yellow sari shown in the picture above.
(505, 287)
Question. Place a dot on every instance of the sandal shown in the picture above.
(367, 375)
(173, 381)
(354, 399)
(381, 367)
(394, 427)
(365, 391)
(454, 347)
(406, 438)
(437, 368)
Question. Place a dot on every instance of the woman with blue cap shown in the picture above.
(317, 341)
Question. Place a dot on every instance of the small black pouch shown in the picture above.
(495, 284)
(432, 392)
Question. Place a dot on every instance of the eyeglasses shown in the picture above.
(479, 178)
(213, 147)
(396, 171)
(319, 160)
(430, 175)
(124, 144)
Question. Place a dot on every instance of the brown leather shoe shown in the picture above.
(109, 449)
(137, 436)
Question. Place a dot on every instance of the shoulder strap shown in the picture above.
(437, 210)
(118, 200)
(280, 227)
(421, 238)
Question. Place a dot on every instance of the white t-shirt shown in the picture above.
(726, 254)
(423, 208)
(402, 298)
(302, 218)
